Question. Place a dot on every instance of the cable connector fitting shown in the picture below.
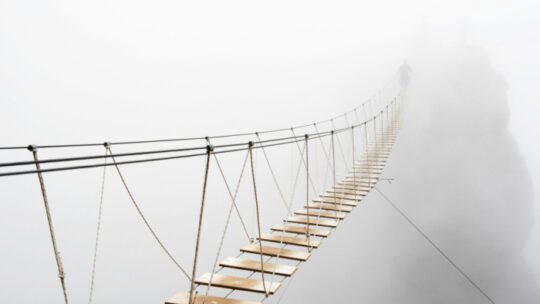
(250, 144)
(209, 148)
(107, 144)
(306, 136)
(32, 148)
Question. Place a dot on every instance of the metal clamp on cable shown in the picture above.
(32, 148)
(209, 148)
(107, 144)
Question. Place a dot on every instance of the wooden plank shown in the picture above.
(325, 214)
(312, 221)
(302, 230)
(373, 160)
(330, 207)
(351, 182)
(364, 171)
(348, 191)
(359, 181)
(289, 240)
(362, 188)
(183, 298)
(342, 196)
(351, 176)
(336, 201)
(282, 253)
(252, 265)
(238, 283)
(367, 166)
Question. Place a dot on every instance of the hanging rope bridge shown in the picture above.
(269, 258)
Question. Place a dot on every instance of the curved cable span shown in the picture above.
(244, 146)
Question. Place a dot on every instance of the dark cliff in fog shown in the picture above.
(460, 174)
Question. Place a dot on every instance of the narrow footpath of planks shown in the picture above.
(306, 228)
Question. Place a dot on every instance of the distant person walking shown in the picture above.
(404, 71)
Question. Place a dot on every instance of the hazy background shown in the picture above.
(88, 72)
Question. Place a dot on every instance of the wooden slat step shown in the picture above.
(183, 298)
(297, 241)
(312, 221)
(252, 265)
(361, 188)
(238, 283)
(386, 150)
(365, 170)
(372, 160)
(349, 191)
(325, 214)
(364, 166)
(351, 181)
(358, 184)
(342, 196)
(275, 252)
(359, 181)
(385, 146)
(329, 207)
(336, 201)
(363, 173)
(376, 162)
(360, 174)
(378, 155)
(302, 230)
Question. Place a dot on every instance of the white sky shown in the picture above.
(76, 71)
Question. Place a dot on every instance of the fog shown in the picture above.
(465, 167)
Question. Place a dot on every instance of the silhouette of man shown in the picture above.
(404, 71)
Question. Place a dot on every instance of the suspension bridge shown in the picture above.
(261, 267)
